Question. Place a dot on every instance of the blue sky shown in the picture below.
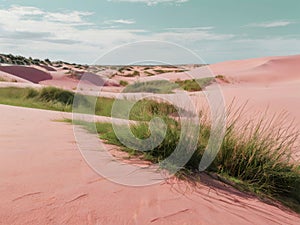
(81, 31)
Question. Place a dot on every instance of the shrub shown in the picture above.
(195, 85)
(259, 154)
(56, 95)
(123, 83)
(149, 74)
(160, 71)
(32, 93)
(222, 78)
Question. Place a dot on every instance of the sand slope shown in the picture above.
(28, 73)
(261, 70)
(270, 83)
(44, 183)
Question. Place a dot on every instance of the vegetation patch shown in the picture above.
(123, 83)
(48, 98)
(3, 80)
(222, 78)
(166, 87)
(149, 74)
(195, 85)
(156, 86)
(161, 71)
(62, 100)
(254, 158)
(133, 74)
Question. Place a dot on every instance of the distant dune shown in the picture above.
(260, 71)
(269, 83)
(28, 73)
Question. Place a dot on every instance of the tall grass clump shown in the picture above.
(255, 154)
(260, 155)
(123, 83)
(56, 95)
(195, 84)
(166, 147)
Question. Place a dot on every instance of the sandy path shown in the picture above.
(44, 180)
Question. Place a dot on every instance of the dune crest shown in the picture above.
(261, 70)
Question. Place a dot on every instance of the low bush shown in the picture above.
(195, 85)
(123, 83)
(56, 95)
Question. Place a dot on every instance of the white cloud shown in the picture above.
(25, 10)
(271, 24)
(151, 2)
(32, 31)
(68, 17)
(195, 34)
(120, 21)
(187, 29)
(62, 27)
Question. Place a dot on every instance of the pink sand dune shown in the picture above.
(28, 73)
(262, 70)
(48, 68)
(270, 83)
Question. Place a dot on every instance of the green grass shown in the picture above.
(149, 74)
(256, 157)
(195, 85)
(51, 98)
(260, 156)
(31, 98)
(123, 83)
(157, 86)
(161, 71)
(7, 80)
(166, 87)
(222, 78)
(133, 74)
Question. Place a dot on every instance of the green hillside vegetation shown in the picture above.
(256, 159)
(166, 87)
(51, 98)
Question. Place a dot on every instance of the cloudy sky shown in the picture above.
(81, 31)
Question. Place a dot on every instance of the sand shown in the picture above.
(261, 71)
(270, 83)
(26, 72)
(44, 183)
(45, 180)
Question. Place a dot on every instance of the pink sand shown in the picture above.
(44, 180)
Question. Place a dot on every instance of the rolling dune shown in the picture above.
(28, 73)
(260, 71)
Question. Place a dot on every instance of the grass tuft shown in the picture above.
(255, 156)
(195, 84)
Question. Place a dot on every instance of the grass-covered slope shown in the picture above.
(255, 158)
(62, 100)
